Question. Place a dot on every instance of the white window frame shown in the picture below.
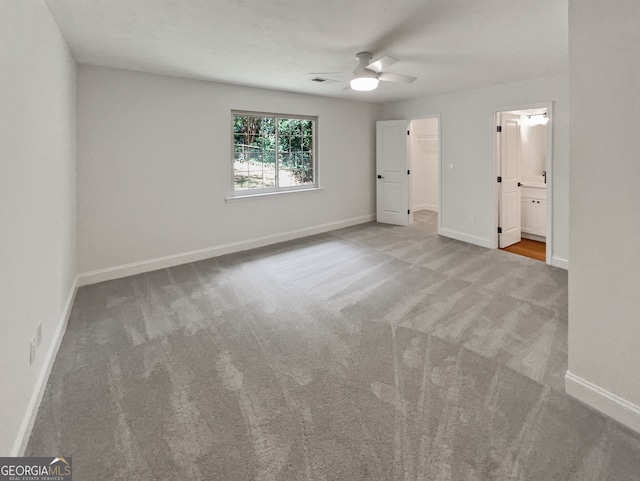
(277, 189)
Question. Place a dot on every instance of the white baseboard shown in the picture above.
(20, 444)
(539, 238)
(602, 400)
(149, 265)
(560, 262)
(431, 207)
(471, 239)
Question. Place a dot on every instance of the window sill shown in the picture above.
(270, 194)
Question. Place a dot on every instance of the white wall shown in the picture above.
(37, 205)
(534, 145)
(604, 285)
(424, 164)
(468, 202)
(154, 168)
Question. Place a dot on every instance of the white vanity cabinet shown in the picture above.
(534, 211)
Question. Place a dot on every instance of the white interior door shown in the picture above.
(392, 165)
(510, 159)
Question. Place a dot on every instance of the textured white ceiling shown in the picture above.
(448, 44)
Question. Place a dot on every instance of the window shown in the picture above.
(273, 153)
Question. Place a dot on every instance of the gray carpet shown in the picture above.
(368, 353)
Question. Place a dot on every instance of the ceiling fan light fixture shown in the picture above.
(364, 84)
(367, 74)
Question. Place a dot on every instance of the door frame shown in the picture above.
(439, 117)
(548, 168)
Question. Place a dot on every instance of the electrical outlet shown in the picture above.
(39, 334)
(33, 346)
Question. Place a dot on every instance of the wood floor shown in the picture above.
(529, 248)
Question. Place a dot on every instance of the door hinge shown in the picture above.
(408, 172)
(499, 179)
(499, 129)
(408, 133)
(499, 230)
(408, 211)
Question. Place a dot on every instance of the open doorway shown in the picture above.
(408, 169)
(523, 167)
(424, 155)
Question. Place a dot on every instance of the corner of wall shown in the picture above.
(29, 418)
(560, 262)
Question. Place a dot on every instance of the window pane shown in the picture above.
(307, 176)
(295, 169)
(307, 143)
(288, 177)
(290, 126)
(296, 143)
(252, 168)
(270, 158)
(241, 175)
(268, 125)
(284, 143)
(307, 127)
(238, 125)
(269, 176)
(306, 168)
(254, 174)
(284, 161)
(285, 170)
(253, 157)
(270, 142)
(260, 149)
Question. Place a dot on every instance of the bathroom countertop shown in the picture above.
(534, 185)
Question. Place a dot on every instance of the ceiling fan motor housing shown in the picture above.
(364, 58)
(361, 70)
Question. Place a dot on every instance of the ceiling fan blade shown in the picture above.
(383, 64)
(329, 73)
(396, 77)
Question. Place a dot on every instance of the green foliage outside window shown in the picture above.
(272, 152)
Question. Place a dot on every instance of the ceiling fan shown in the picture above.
(367, 74)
